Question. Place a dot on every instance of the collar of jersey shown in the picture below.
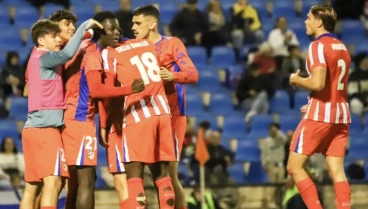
(162, 38)
(326, 34)
(97, 46)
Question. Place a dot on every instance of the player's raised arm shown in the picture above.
(54, 58)
(188, 73)
(94, 73)
(316, 81)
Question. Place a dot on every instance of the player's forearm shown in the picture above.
(186, 77)
(103, 112)
(99, 90)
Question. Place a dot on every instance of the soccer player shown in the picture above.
(173, 56)
(147, 134)
(83, 85)
(325, 125)
(45, 164)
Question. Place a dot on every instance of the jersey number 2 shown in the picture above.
(341, 64)
(147, 66)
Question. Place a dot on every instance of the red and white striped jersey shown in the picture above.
(329, 105)
(134, 59)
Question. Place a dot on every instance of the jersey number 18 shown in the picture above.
(147, 66)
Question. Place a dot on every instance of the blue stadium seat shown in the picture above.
(356, 125)
(288, 12)
(100, 183)
(221, 104)
(209, 81)
(183, 170)
(205, 116)
(280, 103)
(222, 56)
(359, 150)
(301, 98)
(26, 13)
(198, 55)
(84, 12)
(361, 47)
(8, 128)
(14, 2)
(257, 173)
(352, 27)
(19, 108)
(194, 103)
(289, 122)
(236, 171)
(261, 123)
(167, 11)
(247, 153)
(356, 141)
(234, 126)
(51, 8)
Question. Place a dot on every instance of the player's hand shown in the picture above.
(166, 75)
(103, 137)
(294, 77)
(138, 85)
(93, 24)
(304, 109)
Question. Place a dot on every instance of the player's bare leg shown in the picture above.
(121, 185)
(72, 184)
(180, 202)
(37, 204)
(31, 192)
(137, 196)
(342, 189)
(86, 187)
(161, 174)
(52, 186)
(306, 187)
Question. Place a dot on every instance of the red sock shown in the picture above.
(137, 197)
(124, 204)
(342, 192)
(308, 191)
(166, 194)
(48, 207)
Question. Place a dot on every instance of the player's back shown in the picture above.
(330, 104)
(134, 59)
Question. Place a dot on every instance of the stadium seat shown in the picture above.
(19, 108)
(209, 81)
(352, 27)
(359, 150)
(234, 126)
(260, 123)
(167, 11)
(361, 47)
(301, 99)
(14, 2)
(222, 56)
(280, 103)
(236, 171)
(205, 116)
(257, 174)
(248, 154)
(194, 103)
(356, 125)
(50, 8)
(198, 55)
(287, 12)
(8, 128)
(289, 122)
(221, 104)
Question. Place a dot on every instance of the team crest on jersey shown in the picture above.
(91, 154)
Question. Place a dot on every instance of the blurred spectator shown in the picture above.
(220, 159)
(289, 137)
(189, 24)
(293, 62)
(12, 76)
(355, 171)
(280, 38)
(272, 157)
(217, 34)
(246, 26)
(265, 59)
(11, 164)
(11, 161)
(194, 201)
(124, 16)
(253, 92)
(358, 85)
(364, 16)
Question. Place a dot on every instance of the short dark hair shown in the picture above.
(292, 47)
(2, 147)
(147, 10)
(276, 125)
(62, 14)
(104, 15)
(42, 28)
(327, 14)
